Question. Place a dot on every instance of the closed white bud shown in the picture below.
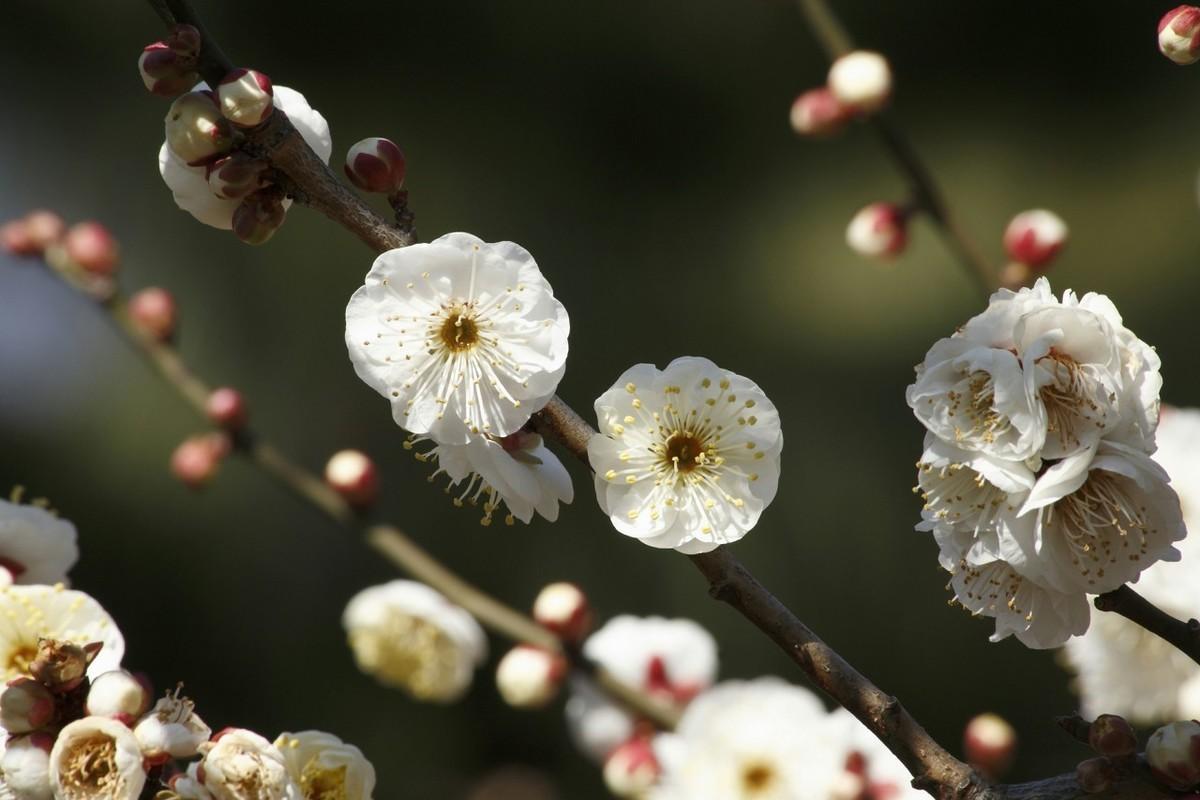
(26, 766)
(196, 131)
(1173, 752)
(96, 758)
(563, 608)
(171, 729)
(631, 770)
(861, 80)
(1179, 35)
(25, 705)
(117, 693)
(246, 97)
(1035, 237)
(529, 677)
(878, 230)
(989, 743)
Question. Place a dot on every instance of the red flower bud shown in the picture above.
(153, 311)
(44, 228)
(1095, 775)
(818, 112)
(196, 461)
(376, 165)
(257, 218)
(1035, 237)
(989, 744)
(564, 609)
(246, 97)
(1179, 35)
(226, 407)
(16, 239)
(1110, 735)
(878, 230)
(92, 247)
(235, 175)
(352, 474)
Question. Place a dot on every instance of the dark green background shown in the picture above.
(641, 151)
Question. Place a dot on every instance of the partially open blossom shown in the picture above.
(259, 216)
(632, 769)
(226, 407)
(861, 80)
(989, 744)
(236, 175)
(1035, 237)
(92, 247)
(818, 112)
(96, 758)
(409, 636)
(154, 312)
(686, 457)
(241, 765)
(197, 459)
(44, 228)
(25, 705)
(35, 545)
(375, 165)
(325, 767)
(1095, 775)
(55, 615)
(1179, 34)
(117, 693)
(529, 677)
(1173, 753)
(246, 97)
(171, 729)
(879, 230)
(353, 475)
(563, 608)
(25, 764)
(62, 666)
(463, 337)
(188, 786)
(196, 130)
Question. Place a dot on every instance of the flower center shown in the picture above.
(1089, 518)
(459, 331)
(757, 779)
(317, 783)
(20, 659)
(685, 451)
(985, 421)
(90, 769)
(409, 653)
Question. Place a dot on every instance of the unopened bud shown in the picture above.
(44, 228)
(153, 311)
(196, 131)
(196, 461)
(352, 474)
(631, 770)
(564, 609)
(989, 744)
(246, 97)
(1110, 735)
(236, 175)
(163, 71)
(861, 80)
(117, 694)
(226, 407)
(879, 230)
(185, 40)
(1095, 775)
(257, 218)
(529, 677)
(17, 240)
(92, 247)
(1034, 237)
(26, 766)
(25, 705)
(375, 165)
(62, 666)
(1173, 753)
(1179, 34)
(818, 113)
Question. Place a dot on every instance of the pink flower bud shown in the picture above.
(246, 97)
(44, 228)
(1173, 752)
(1095, 775)
(818, 113)
(1110, 735)
(25, 705)
(631, 770)
(1179, 35)
(62, 666)
(16, 239)
(376, 165)
(196, 461)
(564, 609)
(1034, 237)
(989, 744)
(257, 218)
(352, 474)
(236, 175)
(878, 230)
(196, 131)
(117, 694)
(529, 677)
(226, 407)
(185, 41)
(153, 311)
(92, 247)
(163, 71)
(861, 80)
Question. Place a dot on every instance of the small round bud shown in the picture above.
(529, 677)
(818, 113)
(196, 461)
(185, 41)
(1179, 35)
(26, 766)
(62, 666)
(163, 71)
(1034, 237)
(861, 80)
(117, 693)
(352, 474)
(989, 744)
(1173, 753)
(16, 239)
(631, 770)
(25, 705)
(226, 407)
(44, 228)
(1110, 735)
(257, 218)
(196, 131)
(92, 247)
(246, 97)
(1095, 775)
(153, 311)
(376, 165)
(879, 230)
(564, 609)
(235, 175)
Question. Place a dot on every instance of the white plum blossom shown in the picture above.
(687, 457)
(463, 337)
(96, 758)
(241, 765)
(189, 184)
(117, 692)
(25, 765)
(408, 636)
(517, 471)
(324, 766)
(53, 612)
(35, 545)
(171, 729)
(188, 786)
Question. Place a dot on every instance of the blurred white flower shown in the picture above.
(35, 545)
(408, 636)
(25, 764)
(190, 187)
(171, 729)
(324, 766)
(52, 612)
(96, 758)
(687, 457)
(241, 765)
(464, 337)
(516, 471)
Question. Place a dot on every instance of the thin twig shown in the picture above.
(1131, 605)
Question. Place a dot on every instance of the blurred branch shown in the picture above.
(1131, 605)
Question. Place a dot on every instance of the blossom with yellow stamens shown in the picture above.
(31, 613)
(325, 767)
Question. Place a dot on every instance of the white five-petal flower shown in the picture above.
(324, 766)
(35, 545)
(241, 765)
(30, 613)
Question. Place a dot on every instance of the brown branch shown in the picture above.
(1131, 605)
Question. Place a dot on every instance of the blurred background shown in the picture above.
(642, 153)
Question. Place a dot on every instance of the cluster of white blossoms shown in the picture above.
(466, 340)
(687, 457)
(1122, 668)
(1037, 478)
